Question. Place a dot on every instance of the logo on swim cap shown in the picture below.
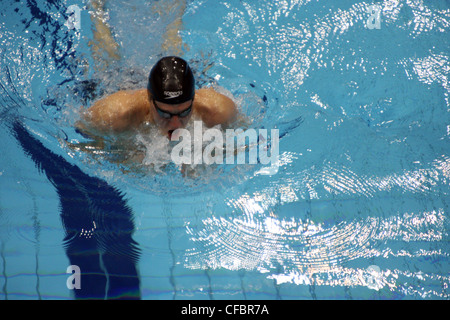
(172, 94)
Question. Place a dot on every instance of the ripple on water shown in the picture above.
(309, 252)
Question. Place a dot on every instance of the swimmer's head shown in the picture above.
(171, 81)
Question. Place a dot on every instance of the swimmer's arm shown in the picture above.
(214, 108)
(118, 112)
(105, 48)
(173, 43)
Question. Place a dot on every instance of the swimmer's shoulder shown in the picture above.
(120, 111)
(214, 108)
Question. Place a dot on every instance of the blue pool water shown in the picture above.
(358, 209)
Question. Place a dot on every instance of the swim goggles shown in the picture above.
(167, 115)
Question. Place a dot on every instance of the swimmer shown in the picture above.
(168, 102)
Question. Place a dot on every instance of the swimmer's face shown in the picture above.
(169, 117)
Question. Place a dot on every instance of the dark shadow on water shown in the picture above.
(98, 225)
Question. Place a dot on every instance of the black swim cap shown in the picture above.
(171, 81)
